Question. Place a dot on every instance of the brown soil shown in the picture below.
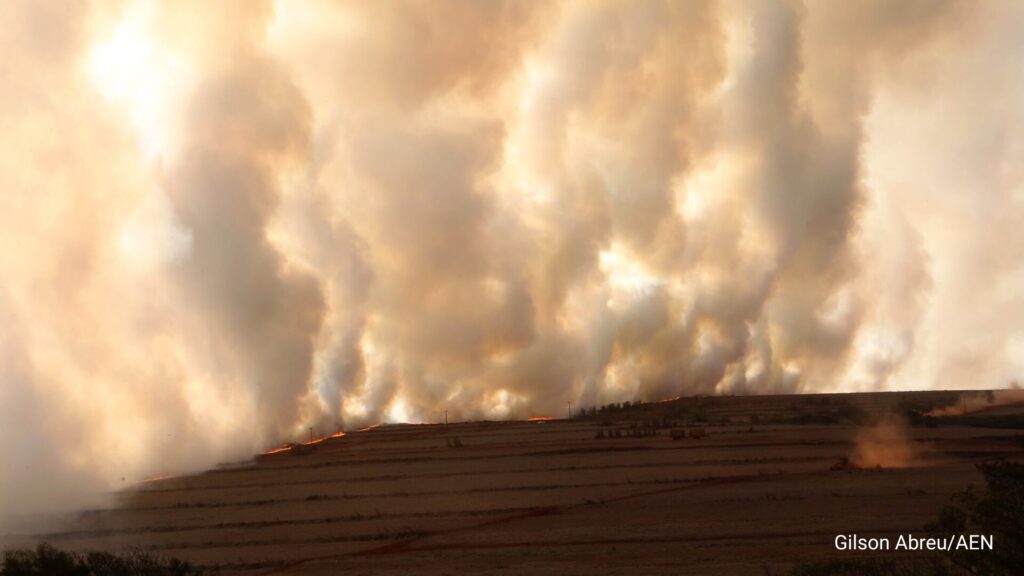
(543, 498)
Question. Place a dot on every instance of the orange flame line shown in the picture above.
(287, 447)
(667, 400)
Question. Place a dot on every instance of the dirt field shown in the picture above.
(550, 497)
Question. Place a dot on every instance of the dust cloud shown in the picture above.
(883, 445)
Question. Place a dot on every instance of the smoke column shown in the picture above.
(221, 224)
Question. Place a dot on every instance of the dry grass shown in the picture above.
(551, 498)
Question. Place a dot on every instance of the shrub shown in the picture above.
(45, 560)
(871, 567)
(998, 511)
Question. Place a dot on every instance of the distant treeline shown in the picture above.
(795, 409)
(1009, 421)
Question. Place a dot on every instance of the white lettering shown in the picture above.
(915, 543)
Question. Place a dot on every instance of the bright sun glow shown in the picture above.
(134, 73)
(398, 412)
(626, 277)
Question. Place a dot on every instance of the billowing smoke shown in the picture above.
(225, 223)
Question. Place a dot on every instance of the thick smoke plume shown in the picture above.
(226, 222)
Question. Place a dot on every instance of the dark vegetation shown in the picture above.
(930, 567)
(998, 510)
(631, 432)
(45, 560)
(1007, 421)
(811, 409)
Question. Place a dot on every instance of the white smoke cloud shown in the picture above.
(226, 223)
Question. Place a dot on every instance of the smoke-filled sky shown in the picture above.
(224, 222)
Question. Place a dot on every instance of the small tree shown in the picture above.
(998, 511)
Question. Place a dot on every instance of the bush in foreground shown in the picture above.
(45, 560)
(997, 511)
(871, 567)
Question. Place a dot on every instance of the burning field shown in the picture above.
(612, 492)
(622, 255)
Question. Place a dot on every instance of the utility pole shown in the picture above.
(445, 417)
(570, 409)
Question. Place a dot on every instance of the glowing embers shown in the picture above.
(299, 448)
(284, 448)
(673, 399)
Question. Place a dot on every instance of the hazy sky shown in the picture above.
(224, 222)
